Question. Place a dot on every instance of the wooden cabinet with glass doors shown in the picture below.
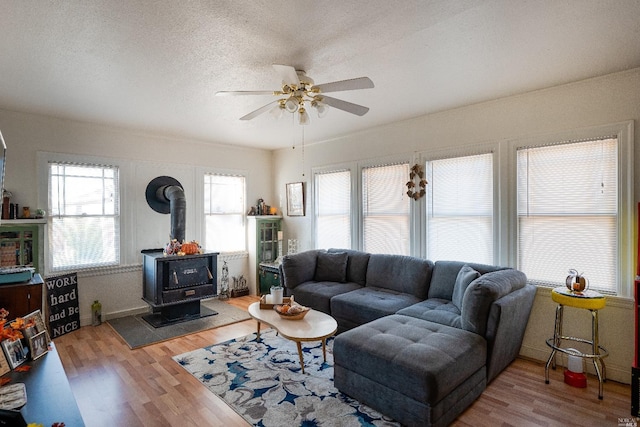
(263, 243)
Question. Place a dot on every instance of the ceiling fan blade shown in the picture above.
(259, 111)
(350, 84)
(349, 107)
(288, 74)
(243, 92)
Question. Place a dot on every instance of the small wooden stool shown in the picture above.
(588, 300)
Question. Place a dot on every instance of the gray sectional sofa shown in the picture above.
(418, 341)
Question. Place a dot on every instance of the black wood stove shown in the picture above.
(175, 284)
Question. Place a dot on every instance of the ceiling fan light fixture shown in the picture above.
(291, 104)
(304, 116)
(321, 108)
(298, 89)
(277, 111)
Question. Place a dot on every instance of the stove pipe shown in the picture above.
(166, 195)
(178, 209)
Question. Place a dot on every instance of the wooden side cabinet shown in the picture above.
(20, 299)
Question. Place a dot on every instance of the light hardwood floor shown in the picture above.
(116, 386)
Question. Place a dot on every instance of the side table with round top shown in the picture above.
(588, 300)
(315, 326)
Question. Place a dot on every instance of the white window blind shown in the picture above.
(568, 212)
(333, 209)
(385, 209)
(84, 220)
(460, 209)
(224, 207)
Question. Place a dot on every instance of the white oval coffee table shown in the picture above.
(315, 326)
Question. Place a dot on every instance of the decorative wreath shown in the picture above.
(412, 190)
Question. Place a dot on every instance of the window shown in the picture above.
(333, 209)
(385, 209)
(567, 210)
(84, 225)
(543, 204)
(460, 209)
(224, 210)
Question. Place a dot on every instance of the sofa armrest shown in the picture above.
(483, 292)
(506, 327)
(299, 268)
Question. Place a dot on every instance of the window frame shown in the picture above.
(199, 204)
(315, 197)
(490, 149)
(626, 212)
(125, 246)
(382, 162)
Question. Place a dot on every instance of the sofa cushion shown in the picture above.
(425, 361)
(445, 274)
(466, 275)
(483, 291)
(403, 274)
(436, 310)
(356, 265)
(299, 268)
(317, 295)
(331, 267)
(369, 303)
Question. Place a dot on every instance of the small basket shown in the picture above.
(296, 316)
(263, 302)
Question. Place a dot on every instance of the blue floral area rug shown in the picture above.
(262, 381)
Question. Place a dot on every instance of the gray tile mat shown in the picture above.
(137, 332)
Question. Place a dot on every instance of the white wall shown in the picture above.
(144, 156)
(599, 101)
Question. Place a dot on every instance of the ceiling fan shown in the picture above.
(299, 90)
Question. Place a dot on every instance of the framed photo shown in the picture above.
(39, 326)
(15, 353)
(295, 199)
(4, 365)
(38, 344)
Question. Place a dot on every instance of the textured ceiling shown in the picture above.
(156, 65)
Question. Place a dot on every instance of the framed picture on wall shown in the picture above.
(295, 199)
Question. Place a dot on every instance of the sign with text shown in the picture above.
(62, 299)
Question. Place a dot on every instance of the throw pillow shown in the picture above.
(299, 268)
(332, 267)
(466, 275)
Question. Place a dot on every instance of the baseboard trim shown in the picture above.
(88, 320)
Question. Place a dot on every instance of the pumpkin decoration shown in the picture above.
(576, 282)
(190, 248)
(185, 248)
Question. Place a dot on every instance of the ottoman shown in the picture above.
(417, 372)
